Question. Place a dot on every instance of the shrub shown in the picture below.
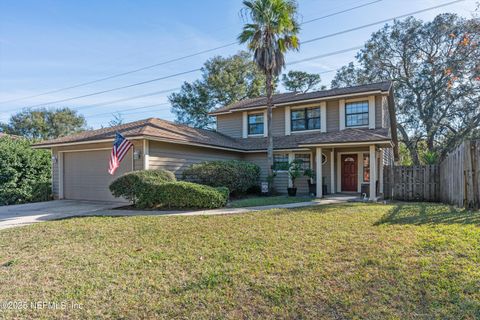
(237, 176)
(25, 173)
(182, 194)
(130, 185)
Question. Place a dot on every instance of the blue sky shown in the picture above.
(51, 44)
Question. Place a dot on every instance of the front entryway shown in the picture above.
(349, 172)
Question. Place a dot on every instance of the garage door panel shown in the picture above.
(86, 174)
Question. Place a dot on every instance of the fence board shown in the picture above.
(456, 180)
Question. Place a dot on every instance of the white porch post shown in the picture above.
(332, 171)
(319, 172)
(373, 173)
(380, 178)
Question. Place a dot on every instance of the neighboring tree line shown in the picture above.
(435, 67)
(228, 80)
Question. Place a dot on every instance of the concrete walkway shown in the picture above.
(327, 200)
(18, 215)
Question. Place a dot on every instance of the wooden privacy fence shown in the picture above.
(460, 176)
(412, 183)
(455, 180)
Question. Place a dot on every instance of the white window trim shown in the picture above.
(323, 118)
(245, 115)
(371, 112)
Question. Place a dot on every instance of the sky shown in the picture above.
(53, 44)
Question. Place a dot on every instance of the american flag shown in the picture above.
(119, 150)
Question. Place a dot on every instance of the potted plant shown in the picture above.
(294, 172)
(312, 186)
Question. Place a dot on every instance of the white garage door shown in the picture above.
(86, 177)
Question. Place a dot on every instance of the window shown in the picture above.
(304, 160)
(280, 161)
(255, 123)
(366, 168)
(356, 114)
(305, 119)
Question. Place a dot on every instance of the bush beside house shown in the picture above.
(25, 173)
(159, 188)
(237, 176)
(132, 184)
(182, 194)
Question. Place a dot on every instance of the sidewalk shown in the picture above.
(316, 202)
(20, 215)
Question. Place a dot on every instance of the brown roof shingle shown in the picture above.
(178, 133)
(297, 97)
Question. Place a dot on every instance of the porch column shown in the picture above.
(319, 174)
(373, 173)
(380, 177)
(332, 171)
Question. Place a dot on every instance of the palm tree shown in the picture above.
(271, 31)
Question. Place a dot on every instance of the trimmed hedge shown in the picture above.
(237, 176)
(132, 184)
(182, 194)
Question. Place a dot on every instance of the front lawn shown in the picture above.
(266, 201)
(363, 261)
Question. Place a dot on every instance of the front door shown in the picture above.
(349, 172)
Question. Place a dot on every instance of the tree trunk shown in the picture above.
(269, 123)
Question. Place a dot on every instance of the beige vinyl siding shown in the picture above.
(333, 116)
(278, 123)
(280, 182)
(230, 124)
(378, 111)
(385, 113)
(138, 146)
(176, 157)
(55, 174)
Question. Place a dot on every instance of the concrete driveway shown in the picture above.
(21, 214)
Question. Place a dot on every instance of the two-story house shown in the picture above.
(345, 135)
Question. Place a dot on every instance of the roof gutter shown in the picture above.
(346, 144)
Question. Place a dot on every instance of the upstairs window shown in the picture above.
(305, 119)
(356, 114)
(255, 123)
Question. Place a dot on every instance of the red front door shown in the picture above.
(349, 172)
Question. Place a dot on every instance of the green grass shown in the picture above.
(266, 201)
(361, 261)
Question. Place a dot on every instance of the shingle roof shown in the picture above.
(178, 133)
(150, 127)
(304, 139)
(296, 97)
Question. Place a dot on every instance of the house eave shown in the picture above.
(348, 144)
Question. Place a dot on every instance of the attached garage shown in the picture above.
(85, 175)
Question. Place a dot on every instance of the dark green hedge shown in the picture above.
(25, 173)
(237, 176)
(132, 184)
(182, 194)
